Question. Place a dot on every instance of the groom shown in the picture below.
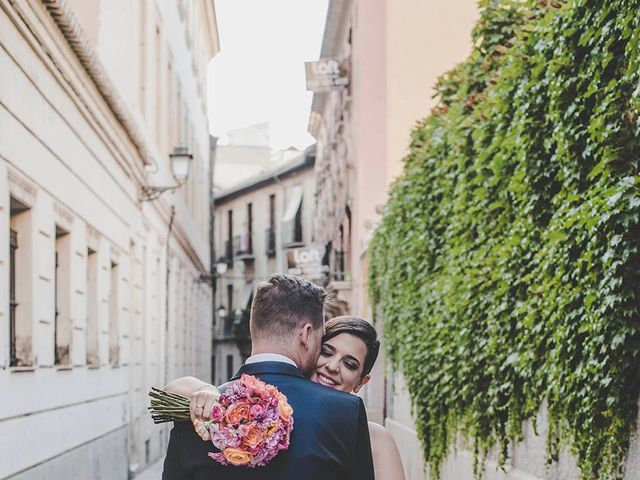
(330, 437)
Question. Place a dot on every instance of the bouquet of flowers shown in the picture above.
(251, 424)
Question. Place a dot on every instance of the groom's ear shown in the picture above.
(363, 381)
(305, 333)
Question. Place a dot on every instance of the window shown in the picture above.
(229, 244)
(229, 366)
(20, 285)
(114, 330)
(271, 231)
(229, 318)
(229, 299)
(13, 246)
(62, 318)
(297, 225)
(56, 313)
(93, 356)
(272, 211)
(292, 218)
(243, 243)
(250, 227)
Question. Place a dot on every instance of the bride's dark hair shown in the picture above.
(359, 328)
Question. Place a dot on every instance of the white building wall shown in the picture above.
(69, 159)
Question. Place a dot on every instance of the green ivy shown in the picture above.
(506, 266)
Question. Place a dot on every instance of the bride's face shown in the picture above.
(341, 362)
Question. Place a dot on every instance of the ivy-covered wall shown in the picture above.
(506, 266)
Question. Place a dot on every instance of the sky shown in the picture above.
(258, 76)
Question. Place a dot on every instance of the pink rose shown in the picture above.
(217, 413)
(243, 430)
(256, 410)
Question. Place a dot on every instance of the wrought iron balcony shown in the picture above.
(244, 247)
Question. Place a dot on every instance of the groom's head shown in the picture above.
(287, 316)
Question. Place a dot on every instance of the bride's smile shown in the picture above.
(341, 363)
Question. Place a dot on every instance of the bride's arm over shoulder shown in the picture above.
(386, 457)
(203, 396)
(186, 386)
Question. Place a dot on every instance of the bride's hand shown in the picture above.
(202, 401)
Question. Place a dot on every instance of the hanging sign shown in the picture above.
(326, 74)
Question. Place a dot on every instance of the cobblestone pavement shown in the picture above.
(153, 472)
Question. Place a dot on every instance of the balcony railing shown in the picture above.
(270, 237)
(235, 328)
(244, 247)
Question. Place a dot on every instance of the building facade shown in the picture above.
(392, 53)
(103, 289)
(259, 226)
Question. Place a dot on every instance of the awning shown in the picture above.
(293, 204)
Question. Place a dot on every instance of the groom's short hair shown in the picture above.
(284, 303)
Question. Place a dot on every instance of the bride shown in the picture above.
(349, 350)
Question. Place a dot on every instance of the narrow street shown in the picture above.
(152, 472)
(429, 205)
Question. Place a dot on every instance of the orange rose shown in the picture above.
(252, 382)
(237, 456)
(238, 412)
(253, 438)
(285, 409)
(271, 390)
(286, 412)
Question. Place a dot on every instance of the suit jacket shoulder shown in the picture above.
(327, 441)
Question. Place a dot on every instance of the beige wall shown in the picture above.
(424, 40)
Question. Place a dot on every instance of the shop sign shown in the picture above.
(306, 262)
(326, 74)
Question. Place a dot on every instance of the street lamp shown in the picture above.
(180, 161)
(221, 269)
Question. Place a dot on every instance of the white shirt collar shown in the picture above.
(270, 357)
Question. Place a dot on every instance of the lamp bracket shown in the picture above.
(149, 193)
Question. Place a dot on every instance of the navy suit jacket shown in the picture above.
(330, 437)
